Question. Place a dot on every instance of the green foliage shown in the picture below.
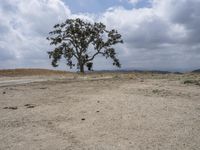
(75, 38)
(194, 82)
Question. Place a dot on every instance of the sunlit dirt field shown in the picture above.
(105, 111)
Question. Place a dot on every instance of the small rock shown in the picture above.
(29, 105)
(13, 108)
(97, 111)
(49, 123)
(4, 92)
(43, 88)
(83, 119)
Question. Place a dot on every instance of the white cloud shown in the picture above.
(159, 37)
(134, 1)
(25, 26)
(164, 36)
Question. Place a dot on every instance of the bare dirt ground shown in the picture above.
(100, 112)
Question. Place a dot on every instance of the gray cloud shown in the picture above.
(25, 27)
(164, 36)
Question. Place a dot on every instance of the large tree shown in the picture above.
(79, 42)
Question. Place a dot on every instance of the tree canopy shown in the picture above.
(79, 42)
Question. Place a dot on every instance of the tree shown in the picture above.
(80, 41)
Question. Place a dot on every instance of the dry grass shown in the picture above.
(32, 72)
(116, 75)
(123, 112)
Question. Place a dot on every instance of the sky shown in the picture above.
(157, 34)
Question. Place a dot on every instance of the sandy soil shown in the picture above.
(119, 113)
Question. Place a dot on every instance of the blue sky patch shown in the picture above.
(98, 6)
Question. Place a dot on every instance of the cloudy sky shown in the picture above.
(158, 34)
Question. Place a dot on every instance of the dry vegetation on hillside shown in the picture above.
(31, 72)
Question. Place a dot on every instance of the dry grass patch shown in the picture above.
(32, 72)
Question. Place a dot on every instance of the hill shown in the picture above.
(196, 71)
(137, 71)
(31, 72)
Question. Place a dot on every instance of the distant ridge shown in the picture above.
(196, 71)
(139, 71)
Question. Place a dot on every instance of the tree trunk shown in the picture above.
(82, 68)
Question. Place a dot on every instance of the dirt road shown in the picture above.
(19, 81)
(107, 114)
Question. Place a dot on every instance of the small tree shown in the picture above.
(81, 42)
